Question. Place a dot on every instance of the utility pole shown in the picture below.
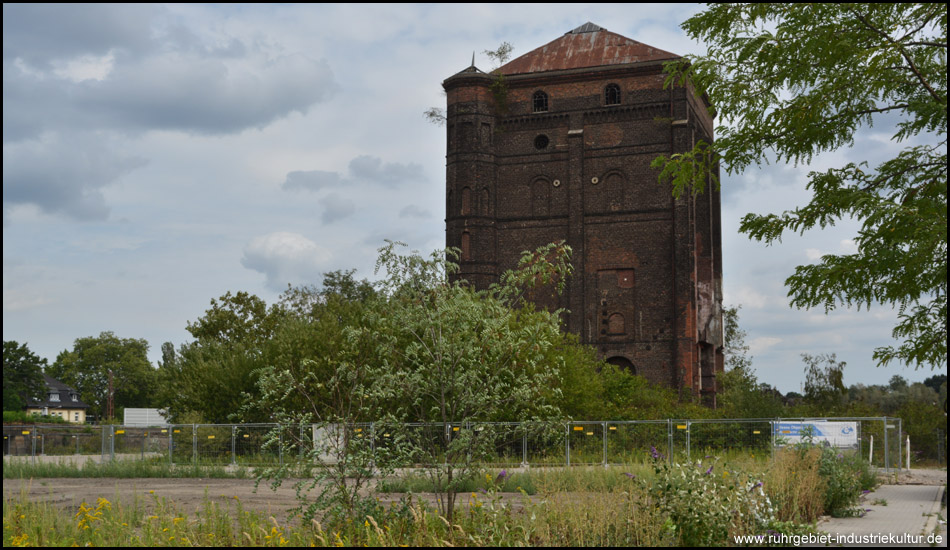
(110, 405)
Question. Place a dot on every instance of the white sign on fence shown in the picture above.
(836, 434)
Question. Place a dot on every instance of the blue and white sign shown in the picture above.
(836, 434)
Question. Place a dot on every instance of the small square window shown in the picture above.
(54, 397)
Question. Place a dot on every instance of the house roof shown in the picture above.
(65, 396)
(586, 46)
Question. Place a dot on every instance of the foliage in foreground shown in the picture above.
(627, 506)
(790, 81)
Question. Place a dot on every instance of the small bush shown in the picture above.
(707, 505)
(842, 477)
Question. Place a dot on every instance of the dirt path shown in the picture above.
(187, 495)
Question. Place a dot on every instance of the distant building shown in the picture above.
(60, 400)
(560, 149)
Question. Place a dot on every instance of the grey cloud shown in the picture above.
(206, 96)
(336, 208)
(63, 175)
(362, 169)
(369, 168)
(159, 74)
(42, 33)
(413, 211)
(312, 180)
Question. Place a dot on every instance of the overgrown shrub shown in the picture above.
(707, 505)
(841, 474)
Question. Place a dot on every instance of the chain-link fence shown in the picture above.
(501, 444)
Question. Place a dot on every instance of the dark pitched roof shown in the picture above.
(585, 46)
(65, 396)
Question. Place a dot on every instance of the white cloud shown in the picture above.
(286, 258)
(848, 246)
(747, 297)
(762, 343)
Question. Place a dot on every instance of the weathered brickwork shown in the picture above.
(647, 287)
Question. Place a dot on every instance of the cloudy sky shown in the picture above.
(155, 157)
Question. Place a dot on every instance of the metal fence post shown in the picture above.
(524, 445)
(280, 445)
(604, 429)
(194, 444)
(887, 462)
(567, 442)
(233, 445)
(772, 427)
(900, 443)
(689, 443)
(669, 434)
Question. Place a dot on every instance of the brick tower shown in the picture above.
(560, 149)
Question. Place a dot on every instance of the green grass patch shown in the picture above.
(24, 469)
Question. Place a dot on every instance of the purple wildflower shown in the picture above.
(709, 471)
(657, 455)
(501, 476)
(628, 474)
(866, 491)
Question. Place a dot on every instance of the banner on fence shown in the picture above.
(836, 434)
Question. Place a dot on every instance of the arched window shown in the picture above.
(612, 95)
(466, 246)
(623, 363)
(614, 187)
(540, 102)
(466, 201)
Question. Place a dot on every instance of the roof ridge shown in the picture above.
(586, 27)
(586, 46)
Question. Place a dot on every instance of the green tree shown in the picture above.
(455, 356)
(317, 376)
(741, 395)
(22, 376)
(238, 319)
(88, 365)
(824, 383)
(214, 376)
(791, 81)
(240, 335)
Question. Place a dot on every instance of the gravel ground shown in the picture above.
(187, 494)
(922, 477)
